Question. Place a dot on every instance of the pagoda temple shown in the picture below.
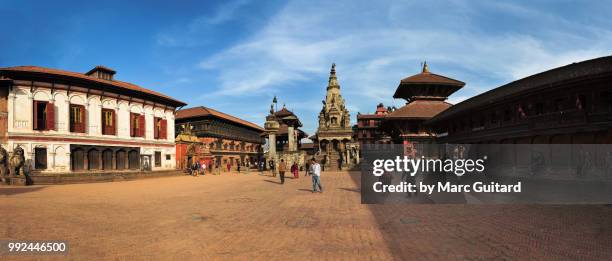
(425, 94)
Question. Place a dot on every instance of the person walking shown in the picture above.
(307, 169)
(315, 171)
(195, 169)
(203, 168)
(282, 167)
(229, 167)
(294, 170)
(238, 167)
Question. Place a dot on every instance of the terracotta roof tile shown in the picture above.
(202, 111)
(430, 78)
(81, 76)
(283, 113)
(419, 109)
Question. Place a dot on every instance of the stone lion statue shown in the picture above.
(3, 164)
(17, 161)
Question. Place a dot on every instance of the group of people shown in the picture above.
(314, 169)
(196, 169)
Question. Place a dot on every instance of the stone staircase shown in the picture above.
(333, 164)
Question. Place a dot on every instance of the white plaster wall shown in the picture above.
(20, 104)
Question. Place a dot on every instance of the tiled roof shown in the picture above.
(283, 113)
(430, 78)
(202, 111)
(81, 76)
(370, 116)
(419, 109)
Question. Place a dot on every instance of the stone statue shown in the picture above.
(3, 164)
(271, 109)
(17, 161)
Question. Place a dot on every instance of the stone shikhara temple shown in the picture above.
(70, 122)
(334, 137)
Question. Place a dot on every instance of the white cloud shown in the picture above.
(377, 44)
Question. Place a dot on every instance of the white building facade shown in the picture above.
(72, 122)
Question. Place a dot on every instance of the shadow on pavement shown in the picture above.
(351, 189)
(14, 191)
(272, 181)
(510, 231)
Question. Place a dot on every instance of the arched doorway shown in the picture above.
(93, 158)
(77, 159)
(133, 159)
(120, 158)
(107, 159)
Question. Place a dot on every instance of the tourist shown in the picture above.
(203, 168)
(294, 170)
(315, 171)
(238, 167)
(229, 167)
(194, 170)
(271, 163)
(307, 169)
(282, 167)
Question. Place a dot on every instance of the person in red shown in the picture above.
(294, 170)
(229, 167)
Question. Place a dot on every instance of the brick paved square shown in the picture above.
(252, 217)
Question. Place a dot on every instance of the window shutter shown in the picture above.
(83, 119)
(141, 126)
(114, 120)
(50, 116)
(132, 133)
(103, 122)
(35, 115)
(163, 129)
(156, 129)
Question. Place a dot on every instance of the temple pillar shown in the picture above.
(348, 157)
(272, 150)
(291, 138)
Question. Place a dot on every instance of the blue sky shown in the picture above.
(234, 56)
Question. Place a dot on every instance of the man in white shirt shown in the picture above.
(315, 171)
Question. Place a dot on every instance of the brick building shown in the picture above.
(368, 129)
(224, 139)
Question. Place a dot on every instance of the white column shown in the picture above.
(272, 150)
(66, 128)
(291, 139)
(11, 112)
(348, 156)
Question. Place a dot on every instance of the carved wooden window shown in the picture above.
(109, 122)
(161, 128)
(43, 116)
(77, 118)
(137, 125)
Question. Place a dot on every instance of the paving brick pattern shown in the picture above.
(253, 217)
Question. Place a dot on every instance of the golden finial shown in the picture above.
(425, 67)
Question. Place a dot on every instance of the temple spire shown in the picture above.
(333, 81)
(425, 67)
